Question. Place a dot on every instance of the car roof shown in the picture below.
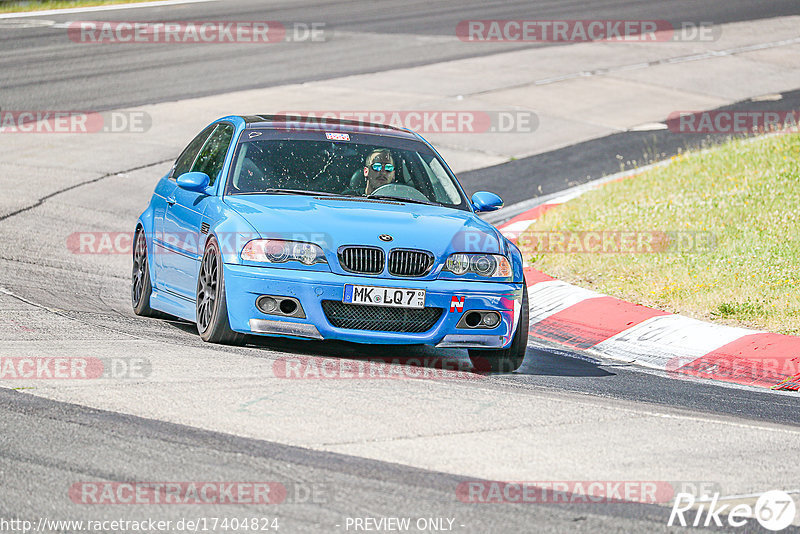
(279, 122)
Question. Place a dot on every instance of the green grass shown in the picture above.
(745, 194)
(17, 6)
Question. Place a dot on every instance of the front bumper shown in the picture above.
(244, 284)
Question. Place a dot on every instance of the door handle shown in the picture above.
(171, 201)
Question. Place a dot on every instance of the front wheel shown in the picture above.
(212, 307)
(508, 359)
(141, 287)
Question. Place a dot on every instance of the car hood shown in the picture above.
(332, 222)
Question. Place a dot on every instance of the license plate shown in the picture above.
(393, 297)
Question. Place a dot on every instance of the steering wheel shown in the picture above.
(400, 191)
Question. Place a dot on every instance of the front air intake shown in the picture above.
(380, 318)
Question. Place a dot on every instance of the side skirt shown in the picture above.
(174, 305)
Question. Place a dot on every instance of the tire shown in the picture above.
(509, 359)
(141, 287)
(212, 306)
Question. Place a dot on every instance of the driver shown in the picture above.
(378, 169)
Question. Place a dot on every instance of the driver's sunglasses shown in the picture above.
(388, 167)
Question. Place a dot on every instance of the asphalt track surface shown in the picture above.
(41, 67)
(122, 448)
(46, 445)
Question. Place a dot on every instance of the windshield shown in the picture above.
(410, 172)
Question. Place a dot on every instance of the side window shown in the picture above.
(212, 157)
(187, 157)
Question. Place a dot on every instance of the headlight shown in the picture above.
(457, 264)
(279, 251)
(488, 265)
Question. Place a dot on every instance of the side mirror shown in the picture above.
(193, 181)
(484, 201)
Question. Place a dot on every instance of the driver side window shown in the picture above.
(184, 162)
(212, 156)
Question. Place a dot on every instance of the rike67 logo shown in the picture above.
(774, 510)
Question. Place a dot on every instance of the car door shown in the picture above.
(164, 194)
(184, 216)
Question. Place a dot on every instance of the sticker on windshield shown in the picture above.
(337, 136)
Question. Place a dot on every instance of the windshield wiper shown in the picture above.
(293, 192)
(413, 201)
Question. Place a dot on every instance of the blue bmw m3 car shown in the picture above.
(318, 229)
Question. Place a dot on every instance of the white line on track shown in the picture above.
(100, 8)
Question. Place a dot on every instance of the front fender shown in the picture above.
(516, 262)
(145, 223)
(231, 230)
